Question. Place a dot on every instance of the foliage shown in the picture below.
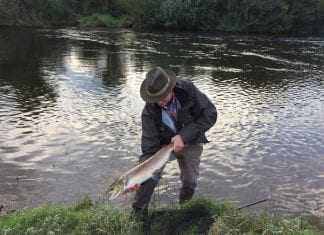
(14, 12)
(58, 11)
(255, 16)
(320, 17)
(180, 13)
(103, 20)
(249, 16)
(302, 14)
(135, 10)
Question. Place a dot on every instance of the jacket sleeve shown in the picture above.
(206, 115)
(151, 142)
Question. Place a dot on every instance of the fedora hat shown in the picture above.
(157, 84)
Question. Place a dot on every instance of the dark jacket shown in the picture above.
(196, 115)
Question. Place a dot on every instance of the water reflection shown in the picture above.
(70, 114)
(20, 69)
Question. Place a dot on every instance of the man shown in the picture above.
(177, 112)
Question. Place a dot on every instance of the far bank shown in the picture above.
(301, 17)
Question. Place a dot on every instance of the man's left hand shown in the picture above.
(177, 143)
(132, 189)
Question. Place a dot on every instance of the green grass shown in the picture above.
(84, 218)
(103, 20)
(197, 216)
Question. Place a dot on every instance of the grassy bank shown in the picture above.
(304, 17)
(200, 216)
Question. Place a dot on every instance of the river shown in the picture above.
(70, 115)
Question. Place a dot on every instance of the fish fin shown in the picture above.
(125, 180)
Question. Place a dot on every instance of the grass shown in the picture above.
(99, 20)
(85, 218)
(199, 216)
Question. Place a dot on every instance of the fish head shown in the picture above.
(116, 188)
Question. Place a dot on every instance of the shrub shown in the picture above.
(303, 14)
(137, 12)
(101, 20)
(59, 11)
(255, 16)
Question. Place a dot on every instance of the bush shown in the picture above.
(137, 12)
(99, 20)
(303, 14)
(255, 16)
(19, 12)
(59, 11)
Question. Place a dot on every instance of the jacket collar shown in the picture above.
(183, 96)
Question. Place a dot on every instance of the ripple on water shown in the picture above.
(75, 118)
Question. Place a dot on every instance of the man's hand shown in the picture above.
(177, 143)
(132, 189)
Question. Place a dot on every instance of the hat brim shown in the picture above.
(154, 99)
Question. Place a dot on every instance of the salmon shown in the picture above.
(140, 173)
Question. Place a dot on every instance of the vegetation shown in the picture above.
(249, 16)
(200, 216)
(99, 20)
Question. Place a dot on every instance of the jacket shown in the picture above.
(196, 115)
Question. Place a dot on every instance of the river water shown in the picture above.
(70, 115)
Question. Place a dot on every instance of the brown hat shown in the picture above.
(157, 84)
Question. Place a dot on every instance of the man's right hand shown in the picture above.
(177, 143)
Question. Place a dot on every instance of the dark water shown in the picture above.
(70, 115)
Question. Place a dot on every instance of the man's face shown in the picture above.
(166, 100)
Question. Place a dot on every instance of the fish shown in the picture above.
(140, 173)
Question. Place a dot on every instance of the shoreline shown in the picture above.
(221, 215)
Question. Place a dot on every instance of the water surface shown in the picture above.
(70, 115)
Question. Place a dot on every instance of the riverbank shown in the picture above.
(200, 216)
(281, 16)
